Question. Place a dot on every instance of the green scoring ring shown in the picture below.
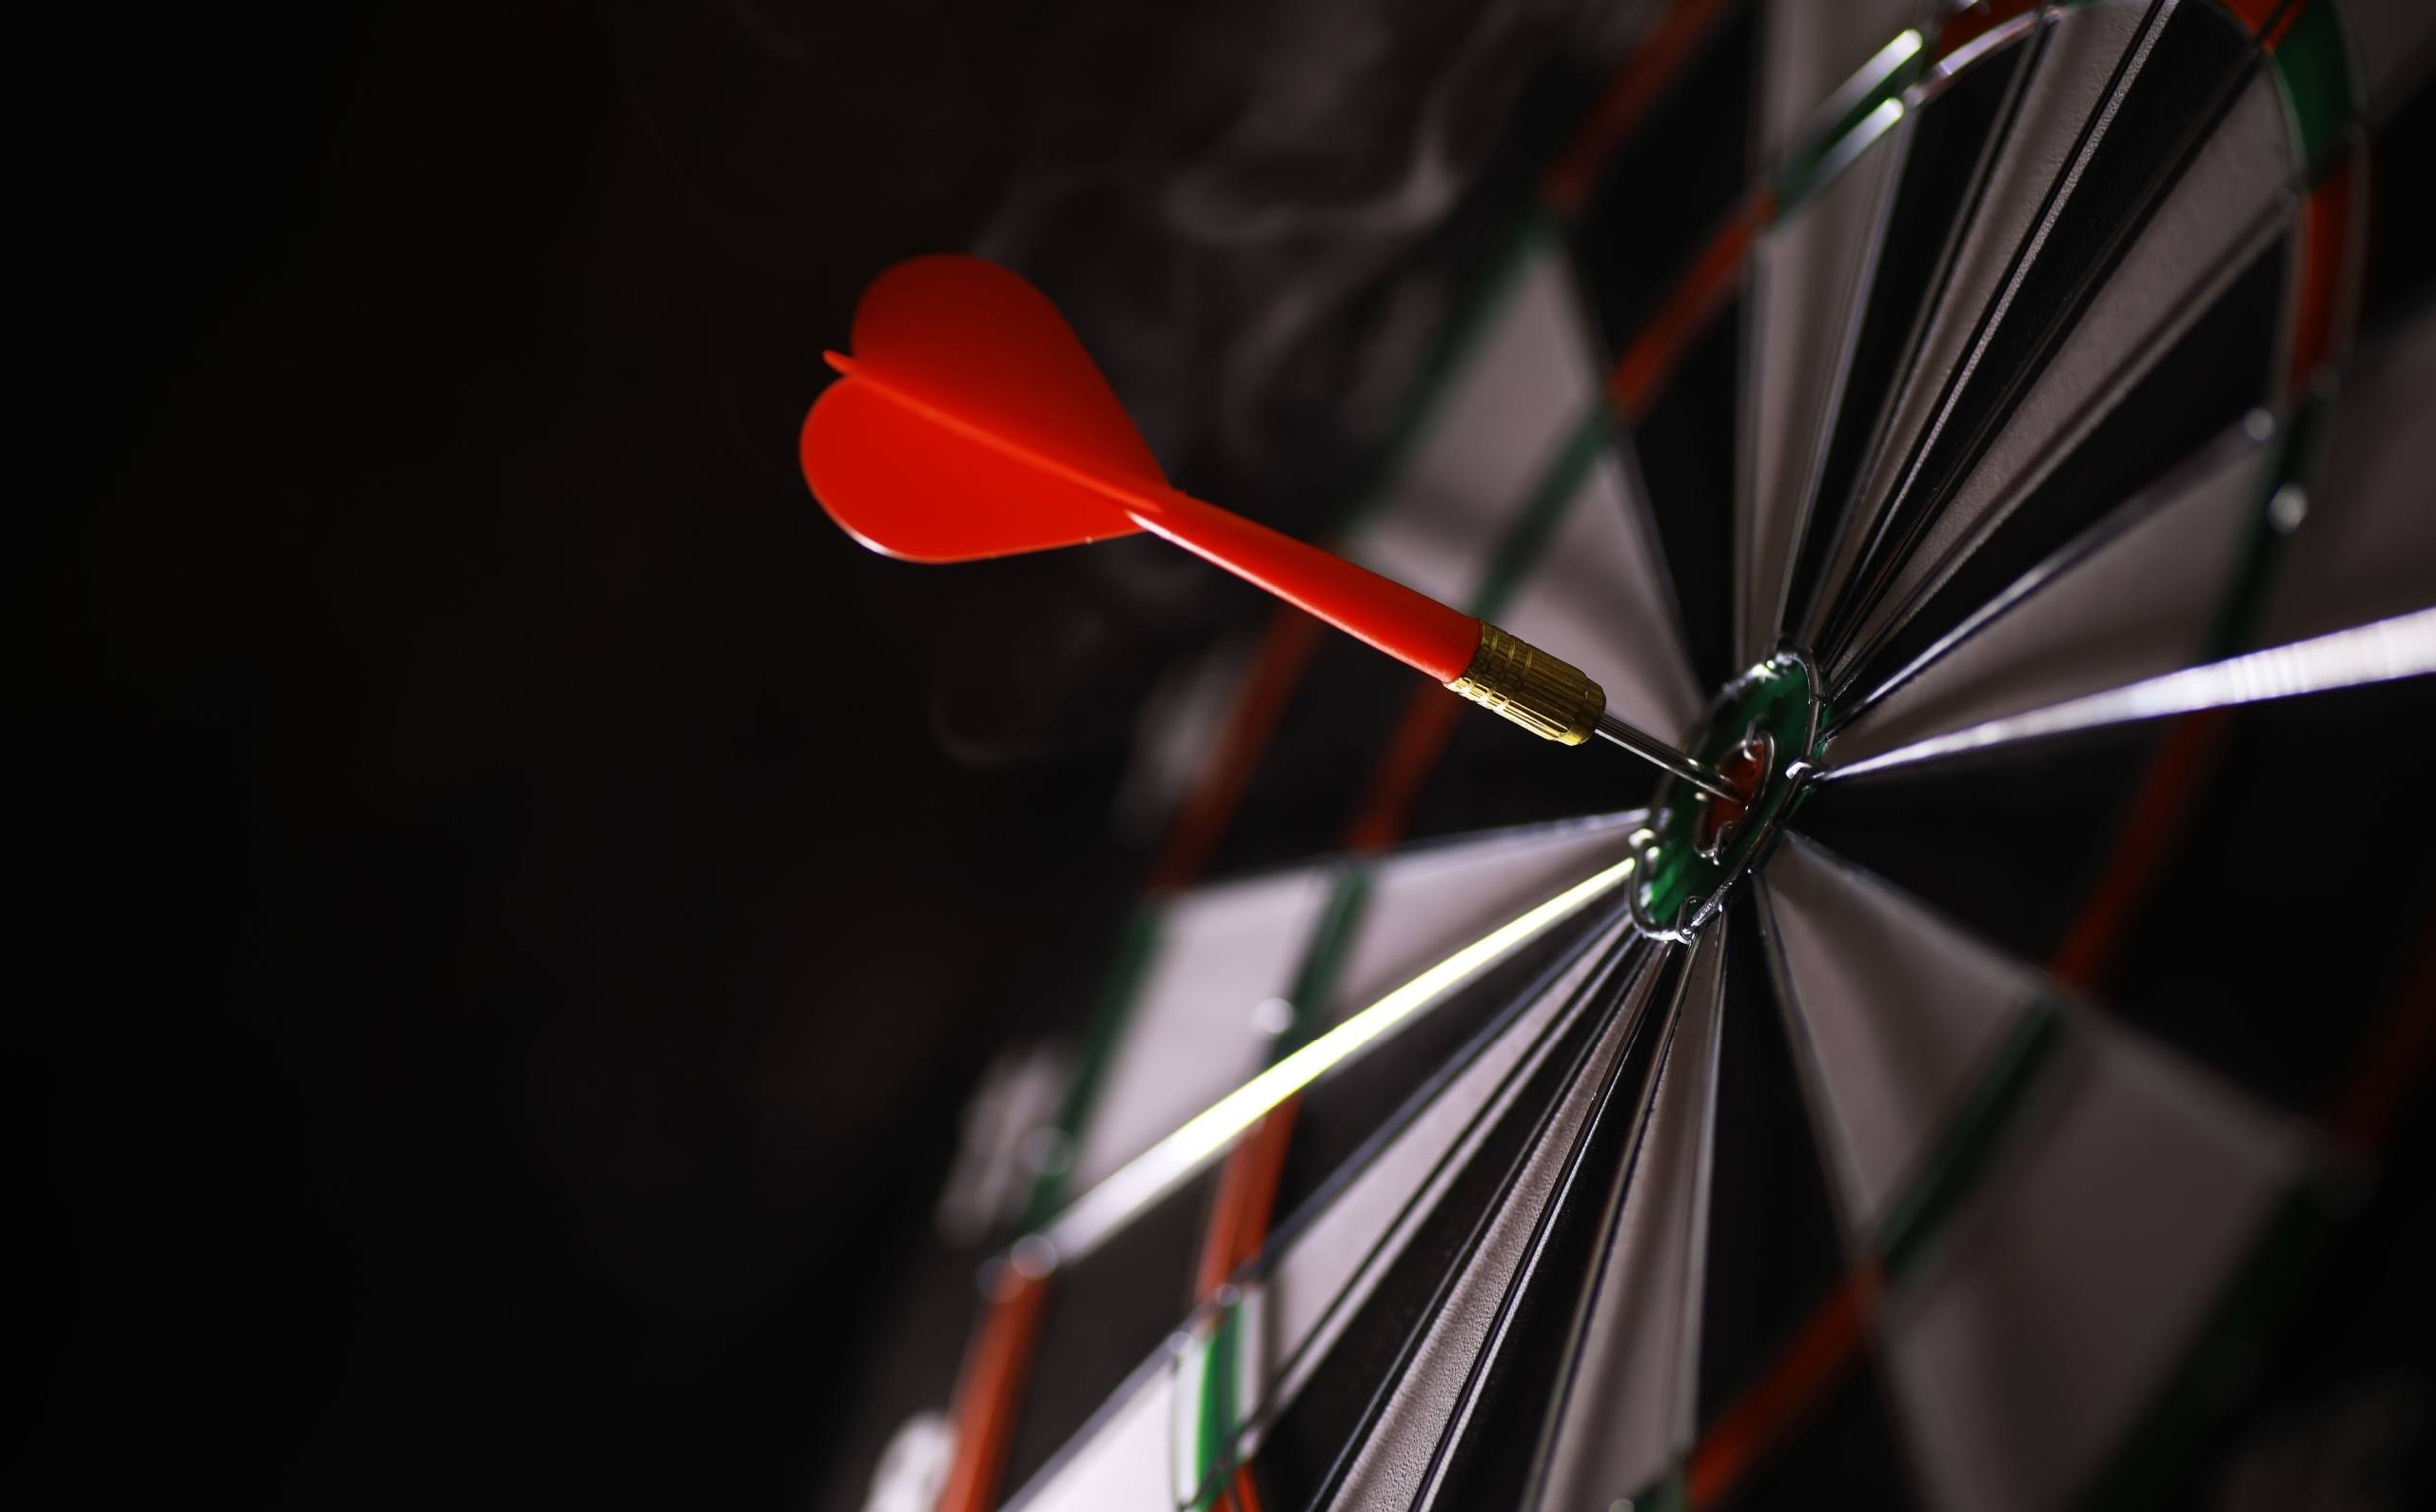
(1678, 887)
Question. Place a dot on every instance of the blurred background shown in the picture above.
(500, 1001)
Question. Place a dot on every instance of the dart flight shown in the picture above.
(971, 424)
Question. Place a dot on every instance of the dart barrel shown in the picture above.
(1549, 697)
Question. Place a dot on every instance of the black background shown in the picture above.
(500, 1003)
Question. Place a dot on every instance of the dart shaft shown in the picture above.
(1649, 748)
(1501, 671)
(1412, 627)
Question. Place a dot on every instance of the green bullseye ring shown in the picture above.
(1775, 706)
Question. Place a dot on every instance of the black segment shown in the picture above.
(1317, 766)
(1847, 1456)
(1104, 1315)
(1312, 1442)
(2401, 263)
(2200, 388)
(1492, 1463)
(1943, 177)
(1349, 1108)
(1772, 1250)
(1665, 190)
(2272, 963)
(1687, 469)
(2008, 842)
(2192, 76)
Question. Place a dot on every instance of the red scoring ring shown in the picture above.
(1745, 769)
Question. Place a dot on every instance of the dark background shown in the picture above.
(514, 890)
(506, 914)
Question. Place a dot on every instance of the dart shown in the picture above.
(971, 424)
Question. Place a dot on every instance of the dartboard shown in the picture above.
(2007, 440)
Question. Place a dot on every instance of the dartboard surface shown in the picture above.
(2003, 432)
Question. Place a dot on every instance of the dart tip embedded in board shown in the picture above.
(970, 422)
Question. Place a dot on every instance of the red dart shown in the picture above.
(971, 424)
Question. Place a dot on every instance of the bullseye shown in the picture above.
(1746, 769)
(1761, 738)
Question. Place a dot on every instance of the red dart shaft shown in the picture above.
(1548, 697)
(1412, 627)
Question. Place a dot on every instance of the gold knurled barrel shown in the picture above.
(1553, 700)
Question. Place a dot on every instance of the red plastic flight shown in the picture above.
(972, 423)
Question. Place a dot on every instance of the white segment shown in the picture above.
(2224, 211)
(1806, 277)
(1321, 1264)
(1626, 1414)
(912, 1470)
(2125, 1194)
(1194, 1032)
(1806, 52)
(1391, 1466)
(2366, 544)
(1327, 1261)
(2404, 646)
(1428, 899)
(2079, 1271)
(1101, 1211)
(1119, 1460)
(2141, 604)
(1894, 1013)
(1192, 1035)
(1519, 390)
(1596, 595)
(2068, 84)
(2393, 47)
